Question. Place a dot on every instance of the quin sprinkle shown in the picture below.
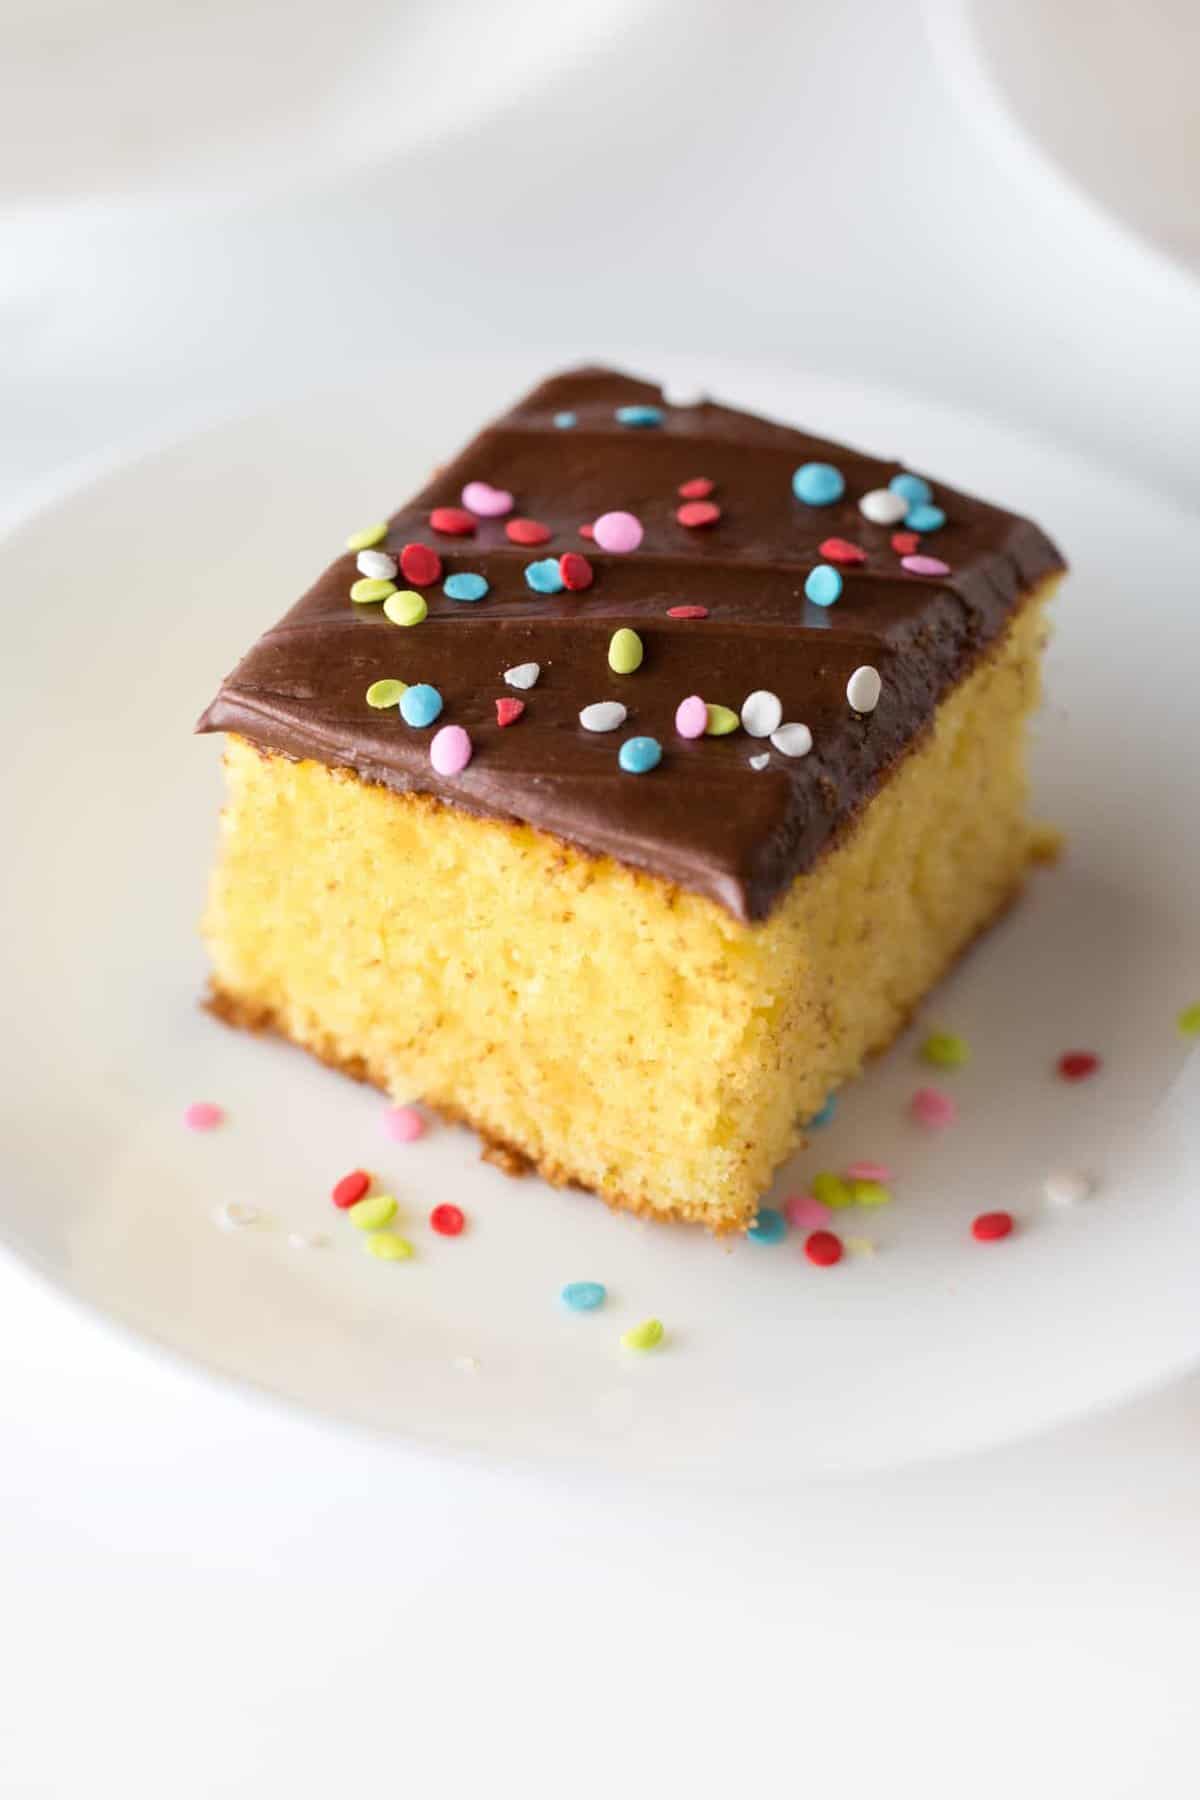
(946, 1050)
(387, 692)
(638, 755)
(818, 484)
(644, 1336)
(823, 585)
(625, 649)
(367, 539)
(583, 1296)
(406, 608)
(420, 704)
(464, 586)
(769, 1227)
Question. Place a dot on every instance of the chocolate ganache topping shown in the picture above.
(590, 442)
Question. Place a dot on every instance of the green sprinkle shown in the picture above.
(625, 651)
(369, 588)
(385, 693)
(828, 1188)
(1189, 1020)
(405, 608)
(643, 1336)
(388, 1246)
(721, 721)
(870, 1193)
(366, 540)
(372, 1214)
(945, 1050)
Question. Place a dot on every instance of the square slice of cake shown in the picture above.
(631, 786)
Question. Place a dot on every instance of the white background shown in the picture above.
(201, 1596)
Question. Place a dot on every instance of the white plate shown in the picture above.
(127, 602)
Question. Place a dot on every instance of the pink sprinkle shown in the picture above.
(451, 750)
(687, 612)
(618, 532)
(924, 565)
(585, 531)
(932, 1108)
(691, 717)
(202, 1115)
(868, 1171)
(404, 1124)
(806, 1212)
(485, 501)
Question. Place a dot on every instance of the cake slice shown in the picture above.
(702, 758)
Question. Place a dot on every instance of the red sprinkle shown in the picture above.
(420, 565)
(989, 1226)
(698, 488)
(695, 513)
(449, 1220)
(823, 1248)
(452, 521)
(687, 612)
(508, 711)
(585, 531)
(526, 531)
(1077, 1065)
(576, 571)
(905, 542)
(351, 1188)
(841, 550)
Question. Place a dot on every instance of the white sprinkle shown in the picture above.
(759, 762)
(468, 1365)
(308, 1240)
(232, 1215)
(376, 564)
(603, 715)
(762, 713)
(793, 740)
(864, 688)
(682, 395)
(882, 507)
(524, 675)
(1067, 1187)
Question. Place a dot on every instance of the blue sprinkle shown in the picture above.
(769, 1227)
(564, 420)
(544, 577)
(824, 585)
(913, 488)
(583, 1296)
(924, 518)
(818, 484)
(465, 587)
(637, 756)
(825, 1116)
(639, 417)
(420, 705)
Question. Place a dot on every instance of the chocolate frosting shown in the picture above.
(704, 818)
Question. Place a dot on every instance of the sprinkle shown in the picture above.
(451, 750)
(869, 1193)
(882, 507)
(825, 1115)
(487, 501)
(202, 1115)
(523, 675)
(1077, 1065)
(762, 713)
(584, 1296)
(388, 1246)
(376, 564)
(465, 586)
(603, 715)
(946, 1050)
(618, 532)
(405, 608)
(687, 612)
(769, 1227)
(544, 577)
(508, 710)
(404, 1124)
(372, 1214)
(924, 565)
(691, 717)
(868, 1171)
(924, 518)
(1188, 1021)
(699, 487)
(818, 484)
(932, 1108)
(840, 550)
(697, 513)
(638, 755)
(563, 421)
(366, 540)
(991, 1225)
(759, 762)
(527, 531)
(806, 1212)
(588, 532)
(308, 1240)
(824, 585)
(792, 740)
(576, 571)
(905, 542)
(644, 1336)
(831, 1190)
(1067, 1187)
(639, 418)
(366, 591)
(721, 721)
(419, 565)
(452, 521)
(447, 1220)
(420, 704)
(860, 1246)
(350, 1188)
(864, 688)
(682, 396)
(385, 693)
(234, 1215)
(913, 488)
(823, 1248)
(625, 651)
